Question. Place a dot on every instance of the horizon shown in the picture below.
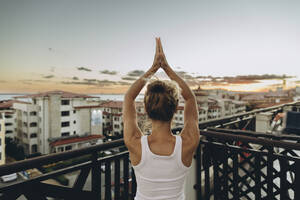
(102, 46)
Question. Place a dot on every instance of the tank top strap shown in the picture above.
(144, 151)
(179, 152)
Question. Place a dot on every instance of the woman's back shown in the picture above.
(160, 176)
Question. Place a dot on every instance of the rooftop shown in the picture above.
(9, 103)
(75, 140)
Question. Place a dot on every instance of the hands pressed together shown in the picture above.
(160, 60)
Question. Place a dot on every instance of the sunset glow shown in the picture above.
(103, 46)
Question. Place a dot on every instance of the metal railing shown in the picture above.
(109, 177)
(247, 165)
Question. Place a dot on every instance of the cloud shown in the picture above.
(75, 78)
(241, 79)
(108, 72)
(49, 76)
(84, 69)
(135, 73)
(123, 83)
(129, 78)
(93, 82)
(77, 83)
(90, 80)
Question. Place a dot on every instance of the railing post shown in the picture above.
(225, 175)
(133, 183)
(297, 180)
(96, 176)
(235, 175)
(117, 178)
(257, 174)
(126, 177)
(283, 178)
(107, 180)
(198, 185)
(270, 162)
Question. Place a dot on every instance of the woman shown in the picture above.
(160, 160)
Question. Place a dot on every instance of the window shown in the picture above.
(8, 131)
(65, 134)
(65, 124)
(69, 147)
(74, 132)
(65, 113)
(8, 124)
(33, 124)
(74, 122)
(60, 149)
(116, 119)
(116, 126)
(33, 135)
(74, 111)
(65, 102)
(32, 113)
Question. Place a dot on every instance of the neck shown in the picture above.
(161, 128)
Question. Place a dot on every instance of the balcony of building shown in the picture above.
(233, 161)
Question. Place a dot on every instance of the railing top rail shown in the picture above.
(256, 134)
(249, 139)
(51, 158)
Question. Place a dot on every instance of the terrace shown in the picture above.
(231, 162)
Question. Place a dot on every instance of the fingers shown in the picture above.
(157, 45)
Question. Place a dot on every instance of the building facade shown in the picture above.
(55, 116)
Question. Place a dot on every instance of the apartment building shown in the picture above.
(57, 121)
(6, 107)
(2, 138)
(113, 119)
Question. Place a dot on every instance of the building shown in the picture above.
(113, 119)
(2, 138)
(6, 107)
(56, 116)
(271, 98)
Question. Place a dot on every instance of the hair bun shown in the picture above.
(157, 88)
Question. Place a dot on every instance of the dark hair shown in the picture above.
(161, 100)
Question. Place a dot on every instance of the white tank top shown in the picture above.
(160, 177)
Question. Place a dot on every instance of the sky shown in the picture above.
(97, 46)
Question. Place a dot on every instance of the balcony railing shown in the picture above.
(112, 177)
(235, 164)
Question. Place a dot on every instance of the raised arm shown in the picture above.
(190, 129)
(131, 129)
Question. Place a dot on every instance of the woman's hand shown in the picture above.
(161, 55)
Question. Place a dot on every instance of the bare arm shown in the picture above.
(131, 129)
(190, 129)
